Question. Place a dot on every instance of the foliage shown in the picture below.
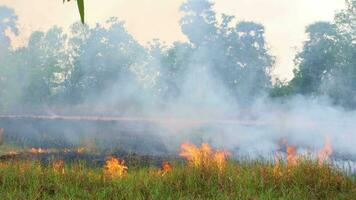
(236, 53)
(222, 61)
(326, 65)
(244, 180)
(90, 63)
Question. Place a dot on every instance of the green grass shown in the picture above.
(245, 180)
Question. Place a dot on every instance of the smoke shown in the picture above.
(160, 103)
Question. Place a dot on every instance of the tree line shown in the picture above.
(88, 63)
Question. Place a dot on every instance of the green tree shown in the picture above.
(102, 58)
(39, 68)
(236, 54)
(327, 63)
(317, 59)
(8, 20)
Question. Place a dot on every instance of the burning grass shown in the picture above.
(115, 168)
(204, 157)
(207, 174)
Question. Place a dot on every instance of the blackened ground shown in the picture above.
(92, 159)
(142, 138)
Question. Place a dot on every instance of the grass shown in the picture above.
(238, 180)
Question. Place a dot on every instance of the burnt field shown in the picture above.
(107, 158)
(96, 135)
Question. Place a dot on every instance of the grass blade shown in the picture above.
(81, 9)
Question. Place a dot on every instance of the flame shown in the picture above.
(220, 158)
(325, 152)
(115, 168)
(39, 150)
(58, 166)
(205, 156)
(191, 153)
(277, 166)
(80, 150)
(66, 150)
(12, 153)
(291, 155)
(166, 168)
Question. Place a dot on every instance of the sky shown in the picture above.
(284, 20)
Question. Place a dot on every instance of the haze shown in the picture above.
(285, 20)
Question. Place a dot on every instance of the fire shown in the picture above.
(166, 168)
(204, 156)
(277, 166)
(192, 153)
(39, 150)
(80, 150)
(291, 155)
(12, 153)
(58, 166)
(325, 152)
(66, 150)
(220, 158)
(115, 168)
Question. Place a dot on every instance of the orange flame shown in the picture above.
(166, 168)
(115, 168)
(204, 157)
(277, 166)
(191, 153)
(80, 150)
(291, 155)
(12, 153)
(58, 166)
(66, 150)
(220, 158)
(325, 152)
(39, 150)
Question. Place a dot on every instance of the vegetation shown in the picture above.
(327, 64)
(89, 62)
(207, 174)
(239, 180)
(231, 60)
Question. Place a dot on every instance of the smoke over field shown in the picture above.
(98, 84)
(90, 113)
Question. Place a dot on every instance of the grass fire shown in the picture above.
(205, 173)
(183, 99)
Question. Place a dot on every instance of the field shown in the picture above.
(205, 174)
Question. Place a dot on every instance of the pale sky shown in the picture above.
(284, 20)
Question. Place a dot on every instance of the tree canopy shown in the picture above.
(327, 63)
(224, 60)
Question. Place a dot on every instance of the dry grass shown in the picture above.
(238, 180)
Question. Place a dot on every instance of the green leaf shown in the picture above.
(81, 9)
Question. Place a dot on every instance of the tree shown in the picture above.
(103, 57)
(199, 22)
(8, 20)
(236, 54)
(327, 63)
(38, 69)
(317, 59)
(173, 63)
